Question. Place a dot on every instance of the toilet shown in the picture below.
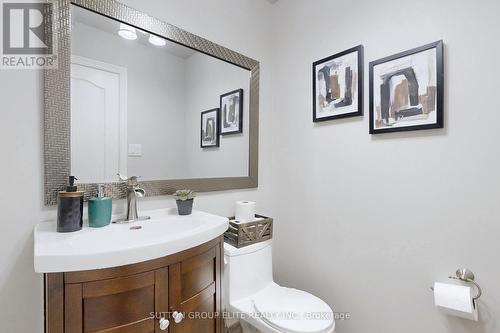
(262, 305)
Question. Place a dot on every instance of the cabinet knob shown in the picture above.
(178, 316)
(164, 323)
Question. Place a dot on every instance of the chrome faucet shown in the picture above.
(133, 192)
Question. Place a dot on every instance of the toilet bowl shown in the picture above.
(264, 306)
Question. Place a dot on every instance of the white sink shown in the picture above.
(117, 244)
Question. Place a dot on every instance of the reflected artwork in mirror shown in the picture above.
(137, 90)
(231, 106)
(210, 129)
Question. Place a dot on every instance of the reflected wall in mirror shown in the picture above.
(136, 104)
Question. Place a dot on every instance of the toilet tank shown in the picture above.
(247, 270)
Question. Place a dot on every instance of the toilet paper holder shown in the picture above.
(466, 275)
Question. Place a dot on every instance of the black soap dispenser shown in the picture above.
(70, 208)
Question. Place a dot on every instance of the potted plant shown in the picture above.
(184, 199)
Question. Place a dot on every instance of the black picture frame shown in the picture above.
(360, 75)
(216, 132)
(238, 92)
(439, 46)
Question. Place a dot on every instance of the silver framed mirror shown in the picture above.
(57, 99)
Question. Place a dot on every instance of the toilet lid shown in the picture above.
(292, 310)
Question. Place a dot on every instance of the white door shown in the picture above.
(98, 120)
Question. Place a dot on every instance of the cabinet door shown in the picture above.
(195, 292)
(120, 305)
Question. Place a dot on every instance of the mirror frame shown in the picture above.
(57, 102)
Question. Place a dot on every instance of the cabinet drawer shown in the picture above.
(200, 311)
(194, 290)
(116, 303)
(197, 274)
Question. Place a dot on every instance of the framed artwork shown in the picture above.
(231, 106)
(406, 90)
(210, 128)
(338, 85)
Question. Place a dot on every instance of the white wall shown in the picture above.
(209, 78)
(21, 131)
(372, 221)
(155, 99)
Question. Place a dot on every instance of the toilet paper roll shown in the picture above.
(244, 211)
(455, 300)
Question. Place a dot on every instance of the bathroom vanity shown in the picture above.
(158, 275)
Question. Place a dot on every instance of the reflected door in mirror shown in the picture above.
(98, 120)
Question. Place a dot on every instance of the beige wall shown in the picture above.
(372, 221)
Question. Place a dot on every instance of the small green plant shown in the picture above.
(184, 195)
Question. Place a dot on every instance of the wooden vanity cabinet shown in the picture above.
(133, 298)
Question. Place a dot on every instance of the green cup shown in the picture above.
(100, 212)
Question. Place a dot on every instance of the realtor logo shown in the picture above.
(27, 41)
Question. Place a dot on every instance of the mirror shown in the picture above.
(145, 106)
(141, 97)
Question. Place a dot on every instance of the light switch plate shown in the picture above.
(134, 150)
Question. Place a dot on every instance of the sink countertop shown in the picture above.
(117, 245)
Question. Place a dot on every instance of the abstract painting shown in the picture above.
(338, 85)
(406, 90)
(231, 105)
(210, 128)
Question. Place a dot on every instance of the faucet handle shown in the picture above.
(122, 178)
(131, 181)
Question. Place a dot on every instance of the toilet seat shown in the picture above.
(292, 311)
